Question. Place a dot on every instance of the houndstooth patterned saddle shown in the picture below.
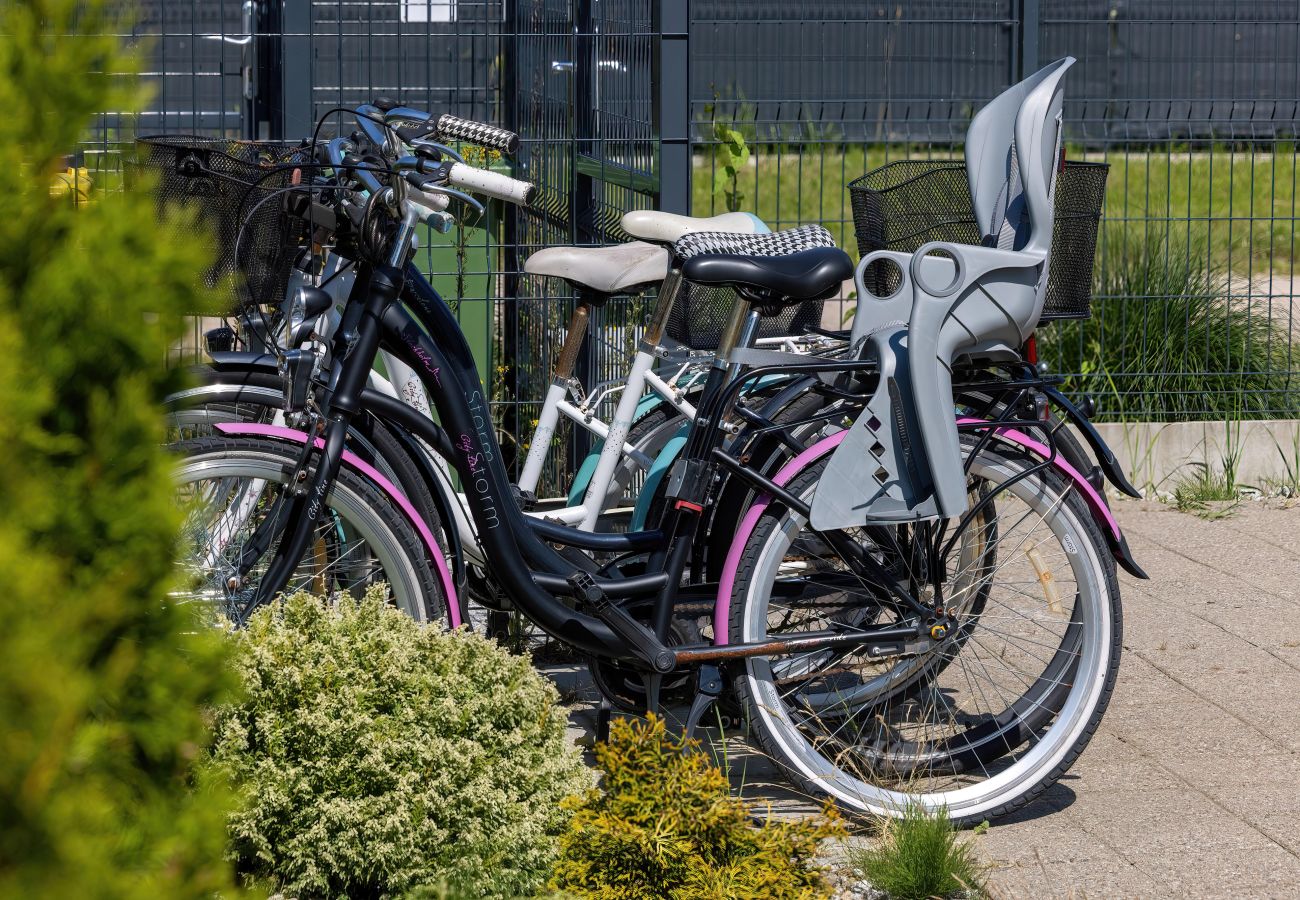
(778, 243)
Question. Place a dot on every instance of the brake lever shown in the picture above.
(422, 144)
(428, 184)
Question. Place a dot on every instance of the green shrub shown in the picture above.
(375, 756)
(664, 825)
(1166, 341)
(920, 857)
(102, 681)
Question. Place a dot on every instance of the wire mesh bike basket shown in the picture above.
(700, 315)
(239, 190)
(906, 204)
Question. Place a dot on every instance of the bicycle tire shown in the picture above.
(1074, 699)
(361, 514)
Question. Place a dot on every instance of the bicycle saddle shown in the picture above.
(813, 274)
(777, 269)
(664, 228)
(621, 269)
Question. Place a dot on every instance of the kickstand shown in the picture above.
(603, 714)
(653, 681)
(708, 688)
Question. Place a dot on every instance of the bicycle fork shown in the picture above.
(355, 347)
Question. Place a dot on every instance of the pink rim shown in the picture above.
(435, 552)
(722, 606)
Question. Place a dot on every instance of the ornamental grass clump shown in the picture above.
(920, 857)
(664, 825)
(375, 756)
(1167, 339)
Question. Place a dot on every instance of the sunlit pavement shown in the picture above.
(1191, 787)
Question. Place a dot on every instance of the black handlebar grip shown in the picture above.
(452, 128)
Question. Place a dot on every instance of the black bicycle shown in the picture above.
(959, 660)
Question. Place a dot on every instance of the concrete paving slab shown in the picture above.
(1191, 788)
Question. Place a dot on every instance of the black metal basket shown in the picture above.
(700, 313)
(239, 189)
(906, 204)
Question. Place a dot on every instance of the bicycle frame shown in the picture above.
(594, 483)
(534, 574)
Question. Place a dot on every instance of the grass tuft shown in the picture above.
(920, 857)
(1213, 484)
(1195, 494)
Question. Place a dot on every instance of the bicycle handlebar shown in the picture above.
(455, 129)
(491, 184)
(411, 124)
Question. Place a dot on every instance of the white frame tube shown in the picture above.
(594, 501)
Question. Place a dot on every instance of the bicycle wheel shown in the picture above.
(229, 487)
(980, 723)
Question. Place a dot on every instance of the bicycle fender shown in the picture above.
(236, 360)
(1105, 457)
(1100, 511)
(663, 462)
(726, 584)
(583, 478)
(293, 436)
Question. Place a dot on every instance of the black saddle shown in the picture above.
(773, 282)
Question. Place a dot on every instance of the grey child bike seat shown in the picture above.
(954, 302)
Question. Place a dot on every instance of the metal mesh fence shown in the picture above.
(574, 79)
(1192, 103)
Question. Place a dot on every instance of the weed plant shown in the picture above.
(920, 857)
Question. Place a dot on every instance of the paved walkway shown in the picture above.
(1191, 788)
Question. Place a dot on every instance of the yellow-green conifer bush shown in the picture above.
(375, 757)
(103, 682)
(663, 824)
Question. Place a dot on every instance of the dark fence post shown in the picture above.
(583, 200)
(264, 30)
(582, 208)
(296, 116)
(672, 103)
(1030, 22)
(510, 45)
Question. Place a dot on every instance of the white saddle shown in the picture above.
(620, 269)
(664, 228)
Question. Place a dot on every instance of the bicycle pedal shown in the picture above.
(640, 640)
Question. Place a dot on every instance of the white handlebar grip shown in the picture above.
(493, 184)
(456, 129)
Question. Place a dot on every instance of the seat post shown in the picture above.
(748, 332)
(668, 292)
(739, 331)
(574, 336)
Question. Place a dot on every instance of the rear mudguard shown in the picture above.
(726, 584)
(663, 462)
(588, 468)
(1100, 511)
(1105, 458)
(293, 436)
